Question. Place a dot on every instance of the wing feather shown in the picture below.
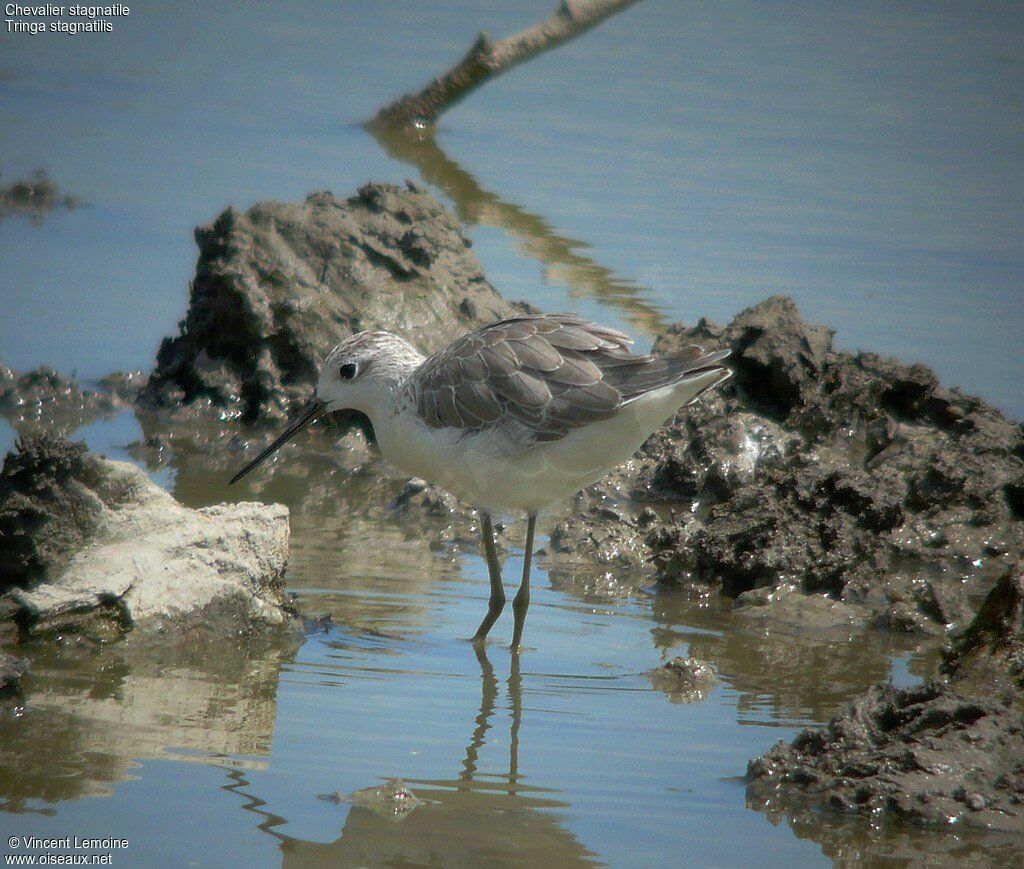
(544, 374)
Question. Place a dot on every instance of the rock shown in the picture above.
(684, 680)
(93, 548)
(949, 751)
(280, 284)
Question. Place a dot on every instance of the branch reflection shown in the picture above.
(535, 237)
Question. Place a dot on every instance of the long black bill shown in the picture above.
(314, 408)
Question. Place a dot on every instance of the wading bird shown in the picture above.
(512, 416)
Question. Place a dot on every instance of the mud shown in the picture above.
(848, 476)
(276, 287)
(950, 751)
(34, 198)
(683, 680)
(46, 400)
(393, 800)
(11, 671)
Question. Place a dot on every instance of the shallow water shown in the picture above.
(567, 754)
(678, 161)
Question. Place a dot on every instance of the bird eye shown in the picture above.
(348, 370)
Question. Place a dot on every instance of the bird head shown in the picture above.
(361, 373)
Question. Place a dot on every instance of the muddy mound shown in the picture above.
(94, 548)
(949, 751)
(280, 284)
(45, 399)
(683, 680)
(823, 471)
(45, 512)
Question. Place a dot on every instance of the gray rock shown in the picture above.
(92, 547)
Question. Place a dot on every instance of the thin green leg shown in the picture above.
(497, 601)
(521, 602)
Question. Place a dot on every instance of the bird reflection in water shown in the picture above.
(473, 819)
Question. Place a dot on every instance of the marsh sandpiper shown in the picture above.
(512, 416)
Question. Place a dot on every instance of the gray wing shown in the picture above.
(550, 373)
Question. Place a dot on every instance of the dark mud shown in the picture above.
(46, 513)
(950, 751)
(683, 680)
(46, 400)
(276, 287)
(848, 476)
(11, 671)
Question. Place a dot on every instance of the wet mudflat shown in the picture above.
(830, 187)
(568, 755)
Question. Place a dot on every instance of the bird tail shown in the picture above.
(691, 366)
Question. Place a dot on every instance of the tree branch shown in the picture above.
(486, 60)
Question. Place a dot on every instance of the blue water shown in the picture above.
(680, 160)
(865, 160)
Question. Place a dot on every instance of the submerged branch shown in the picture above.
(486, 60)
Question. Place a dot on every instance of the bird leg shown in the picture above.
(497, 601)
(521, 602)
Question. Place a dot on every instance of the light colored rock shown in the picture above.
(157, 563)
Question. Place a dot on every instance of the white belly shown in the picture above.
(487, 471)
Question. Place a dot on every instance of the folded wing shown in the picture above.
(544, 375)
